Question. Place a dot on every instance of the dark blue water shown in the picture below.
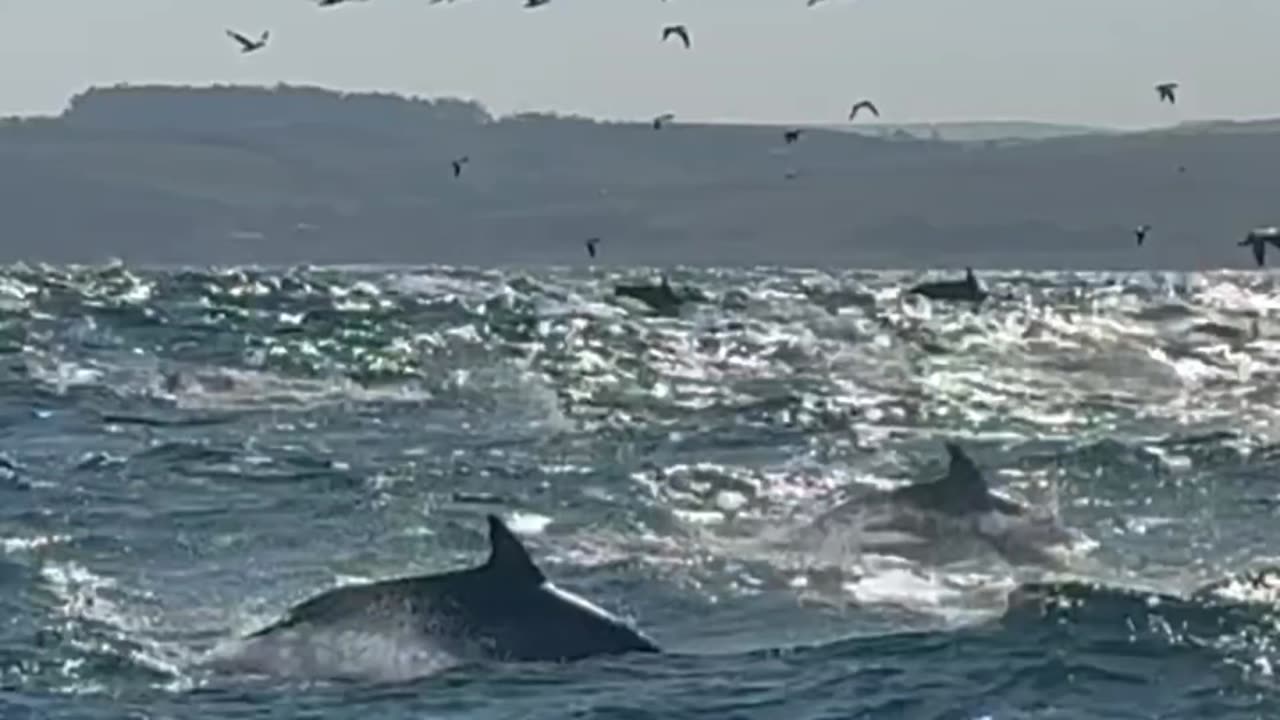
(184, 454)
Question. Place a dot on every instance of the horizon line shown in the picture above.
(725, 122)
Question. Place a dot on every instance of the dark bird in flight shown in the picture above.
(1165, 91)
(1141, 231)
(457, 165)
(792, 135)
(1258, 238)
(679, 31)
(247, 45)
(535, 3)
(861, 104)
(591, 246)
(663, 118)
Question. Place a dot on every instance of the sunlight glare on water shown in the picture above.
(189, 453)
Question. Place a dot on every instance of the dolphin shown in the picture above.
(1258, 588)
(660, 298)
(1261, 585)
(968, 289)
(956, 513)
(962, 491)
(504, 610)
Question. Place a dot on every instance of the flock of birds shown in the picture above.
(681, 32)
(1257, 238)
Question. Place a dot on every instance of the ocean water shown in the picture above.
(186, 453)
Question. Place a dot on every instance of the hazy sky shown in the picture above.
(1067, 61)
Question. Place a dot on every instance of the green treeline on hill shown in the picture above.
(157, 174)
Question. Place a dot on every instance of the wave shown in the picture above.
(211, 442)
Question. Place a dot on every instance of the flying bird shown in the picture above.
(863, 104)
(679, 31)
(591, 246)
(1258, 238)
(792, 135)
(1141, 231)
(457, 165)
(1165, 91)
(663, 118)
(247, 45)
(535, 3)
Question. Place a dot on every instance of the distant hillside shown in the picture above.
(293, 174)
(973, 131)
(1227, 126)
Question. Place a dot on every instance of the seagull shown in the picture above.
(665, 117)
(1258, 238)
(792, 135)
(853, 111)
(1166, 91)
(591, 246)
(457, 165)
(247, 45)
(679, 31)
(1141, 231)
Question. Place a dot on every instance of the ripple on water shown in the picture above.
(187, 453)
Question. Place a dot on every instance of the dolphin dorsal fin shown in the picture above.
(963, 474)
(509, 556)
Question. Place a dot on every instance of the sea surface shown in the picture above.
(186, 453)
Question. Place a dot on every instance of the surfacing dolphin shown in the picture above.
(504, 610)
(961, 491)
(661, 298)
(1243, 599)
(968, 289)
(938, 516)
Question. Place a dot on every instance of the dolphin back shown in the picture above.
(658, 297)
(968, 289)
(504, 609)
(961, 491)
